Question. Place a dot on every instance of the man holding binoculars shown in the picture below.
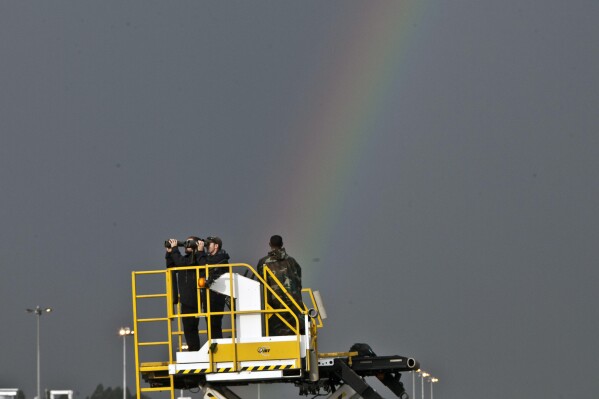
(186, 283)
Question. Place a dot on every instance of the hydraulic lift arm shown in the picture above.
(353, 379)
(350, 371)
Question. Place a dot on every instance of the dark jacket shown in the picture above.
(221, 257)
(186, 280)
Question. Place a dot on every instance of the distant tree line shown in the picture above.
(20, 395)
(111, 393)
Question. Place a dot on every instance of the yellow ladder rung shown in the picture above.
(152, 319)
(153, 343)
(151, 296)
(155, 389)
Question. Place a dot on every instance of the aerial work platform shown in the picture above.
(249, 353)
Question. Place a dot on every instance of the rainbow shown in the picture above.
(352, 97)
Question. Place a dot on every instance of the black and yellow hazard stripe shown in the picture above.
(230, 369)
(193, 371)
(267, 368)
(224, 370)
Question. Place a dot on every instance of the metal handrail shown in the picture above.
(310, 293)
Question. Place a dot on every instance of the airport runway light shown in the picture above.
(38, 311)
(124, 332)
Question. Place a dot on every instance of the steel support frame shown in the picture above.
(357, 383)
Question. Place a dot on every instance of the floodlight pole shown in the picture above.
(433, 380)
(423, 375)
(38, 312)
(38, 353)
(123, 332)
(414, 384)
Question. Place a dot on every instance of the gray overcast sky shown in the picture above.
(432, 165)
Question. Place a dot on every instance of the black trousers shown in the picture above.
(217, 304)
(190, 327)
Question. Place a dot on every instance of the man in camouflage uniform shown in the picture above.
(289, 273)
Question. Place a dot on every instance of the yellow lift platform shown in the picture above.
(250, 354)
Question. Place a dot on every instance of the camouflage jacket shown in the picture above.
(286, 269)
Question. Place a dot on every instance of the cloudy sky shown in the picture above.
(432, 165)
